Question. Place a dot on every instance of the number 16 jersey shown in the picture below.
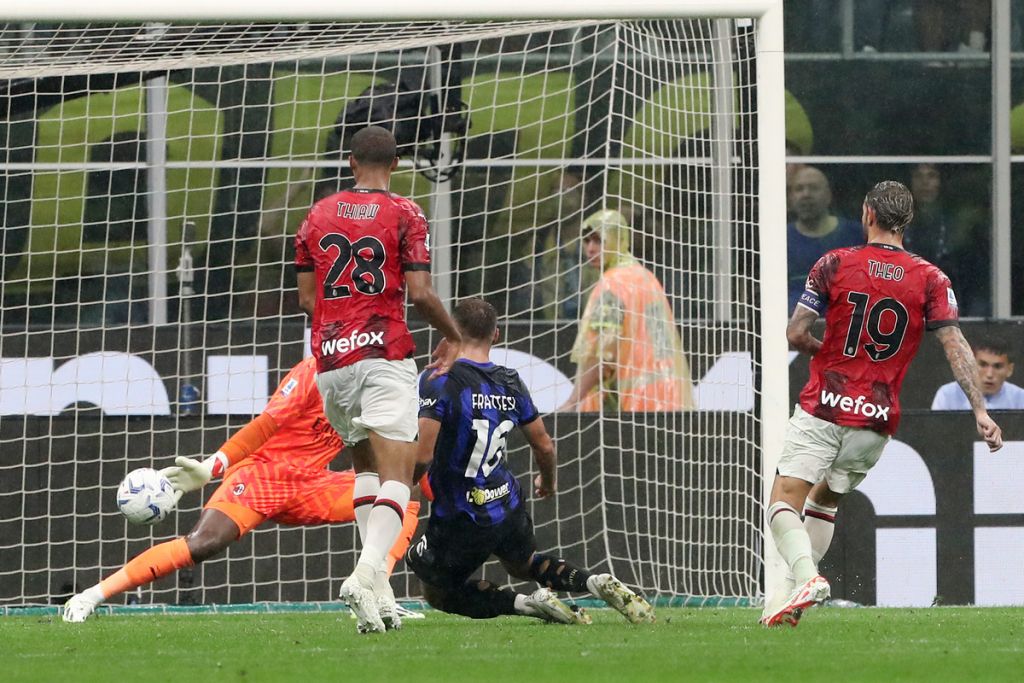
(478, 405)
(360, 243)
(878, 300)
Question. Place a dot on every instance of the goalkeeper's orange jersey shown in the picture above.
(629, 326)
(303, 438)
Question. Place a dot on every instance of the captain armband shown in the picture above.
(813, 301)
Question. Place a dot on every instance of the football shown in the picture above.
(145, 496)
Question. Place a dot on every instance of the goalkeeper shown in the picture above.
(275, 468)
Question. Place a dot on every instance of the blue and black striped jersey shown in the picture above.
(477, 404)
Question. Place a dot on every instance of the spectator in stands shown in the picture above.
(628, 351)
(814, 229)
(563, 275)
(944, 25)
(995, 366)
(953, 241)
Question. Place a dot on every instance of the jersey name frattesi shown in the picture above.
(493, 402)
(357, 212)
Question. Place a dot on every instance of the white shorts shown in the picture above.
(817, 450)
(372, 395)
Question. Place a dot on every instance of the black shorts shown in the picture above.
(450, 550)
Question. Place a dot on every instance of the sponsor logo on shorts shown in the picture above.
(239, 489)
(354, 341)
(857, 406)
(478, 496)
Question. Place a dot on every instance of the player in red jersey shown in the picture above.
(879, 300)
(275, 468)
(356, 254)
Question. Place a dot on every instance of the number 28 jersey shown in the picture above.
(878, 300)
(360, 243)
(478, 405)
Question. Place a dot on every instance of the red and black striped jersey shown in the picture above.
(877, 300)
(360, 243)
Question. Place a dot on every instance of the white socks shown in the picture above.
(367, 487)
(820, 523)
(383, 526)
(792, 541)
(382, 583)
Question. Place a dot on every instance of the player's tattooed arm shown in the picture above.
(798, 331)
(965, 369)
(962, 363)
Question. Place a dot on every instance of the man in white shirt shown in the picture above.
(994, 367)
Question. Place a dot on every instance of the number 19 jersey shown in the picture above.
(477, 404)
(878, 300)
(360, 243)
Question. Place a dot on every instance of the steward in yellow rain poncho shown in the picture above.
(628, 351)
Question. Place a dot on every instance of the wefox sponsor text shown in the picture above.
(857, 406)
(353, 341)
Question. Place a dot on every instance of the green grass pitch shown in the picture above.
(725, 644)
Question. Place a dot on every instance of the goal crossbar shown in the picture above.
(249, 10)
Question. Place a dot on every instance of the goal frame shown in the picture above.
(774, 379)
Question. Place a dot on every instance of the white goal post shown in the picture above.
(144, 143)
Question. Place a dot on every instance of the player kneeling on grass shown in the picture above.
(465, 417)
(275, 469)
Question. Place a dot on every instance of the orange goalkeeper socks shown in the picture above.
(160, 560)
(409, 523)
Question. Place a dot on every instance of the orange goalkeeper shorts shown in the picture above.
(254, 492)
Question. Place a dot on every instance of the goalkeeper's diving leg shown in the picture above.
(215, 531)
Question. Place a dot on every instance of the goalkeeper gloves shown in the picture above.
(189, 474)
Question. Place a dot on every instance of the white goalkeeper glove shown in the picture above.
(189, 474)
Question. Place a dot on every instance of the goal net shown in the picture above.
(153, 175)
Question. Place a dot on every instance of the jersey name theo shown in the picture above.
(877, 300)
(360, 243)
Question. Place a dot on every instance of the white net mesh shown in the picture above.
(152, 178)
